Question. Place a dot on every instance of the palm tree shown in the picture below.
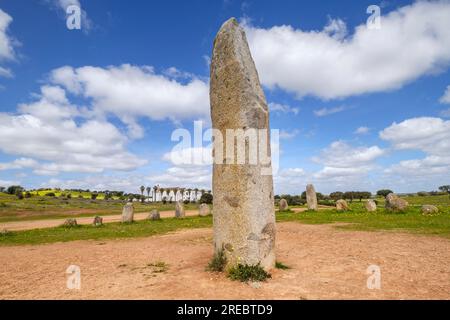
(155, 190)
(196, 194)
(142, 193)
(148, 192)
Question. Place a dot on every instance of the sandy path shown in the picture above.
(40, 224)
(327, 263)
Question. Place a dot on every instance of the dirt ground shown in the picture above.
(326, 263)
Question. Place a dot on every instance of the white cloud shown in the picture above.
(47, 130)
(131, 91)
(327, 111)
(128, 183)
(362, 130)
(445, 113)
(7, 183)
(286, 134)
(429, 135)
(282, 108)
(19, 164)
(446, 97)
(189, 157)
(192, 176)
(6, 43)
(342, 161)
(413, 41)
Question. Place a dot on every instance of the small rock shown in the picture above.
(70, 223)
(128, 213)
(395, 203)
(98, 221)
(429, 209)
(370, 205)
(179, 210)
(154, 215)
(342, 205)
(255, 285)
(283, 205)
(204, 210)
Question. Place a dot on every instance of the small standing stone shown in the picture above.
(395, 203)
(128, 213)
(70, 223)
(179, 210)
(311, 197)
(342, 205)
(283, 205)
(154, 215)
(204, 210)
(98, 221)
(370, 205)
(429, 209)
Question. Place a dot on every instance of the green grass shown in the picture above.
(281, 266)
(358, 219)
(218, 262)
(441, 200)
(245, 273)
(107, 231)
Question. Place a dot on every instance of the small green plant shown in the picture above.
(158, 267)
(5, 233)
(280, 265)
(245, 273)
(3, 205)
(218, 262)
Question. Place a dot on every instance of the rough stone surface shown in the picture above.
(370, 205)
(395, 203)
(342, 205)
(154, 215)
(128, 213)
(311, 197)
(69, 223)
(429, 209)
(98, 221)
(204, 210)
(283, 205)
(179, 209)
(244, 213)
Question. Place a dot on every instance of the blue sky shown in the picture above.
(358, 109)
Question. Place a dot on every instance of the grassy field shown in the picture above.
(356, 219)
(42, 207)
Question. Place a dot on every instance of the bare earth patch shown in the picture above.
(326, 263)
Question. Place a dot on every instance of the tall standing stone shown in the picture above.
(244, 213)
(311, 197)
(283, 205)
(179, 210)
(128, 213)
